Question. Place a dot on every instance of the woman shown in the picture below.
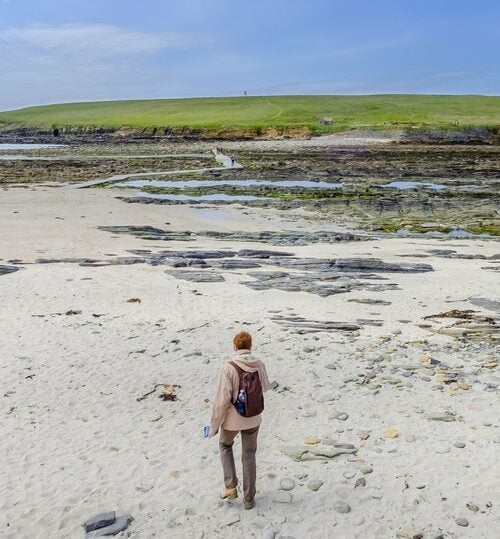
(230, 422)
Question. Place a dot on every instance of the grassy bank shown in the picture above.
(258, 114)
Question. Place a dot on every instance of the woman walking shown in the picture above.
(237, 408)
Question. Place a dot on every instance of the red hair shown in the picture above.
(243, 341)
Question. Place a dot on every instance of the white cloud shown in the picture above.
(71, 62)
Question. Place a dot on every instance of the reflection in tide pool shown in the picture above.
(29, 146)
(182, 184)
(215, 197)
(414, 185)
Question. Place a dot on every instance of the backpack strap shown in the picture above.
(239, 370)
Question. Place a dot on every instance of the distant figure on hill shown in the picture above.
(238, 405)
(233, 160)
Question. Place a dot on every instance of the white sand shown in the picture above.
(74, 440)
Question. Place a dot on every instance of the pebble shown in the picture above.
(330, 366)
(408, 532)
(441, 449)
(462, 522)
(155, 417)
(349, 474)
(342, 416)
(328, 397)
(99, 521)
(359, 521)
(391, 432)
(459, 445)
(269, 534)
(361, 482)
(314, 484)
(312, 440)
(287, 484)
(342, 507)
(364, 435)
(366, 469)
(472, 507)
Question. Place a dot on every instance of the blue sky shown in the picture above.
(80, 50)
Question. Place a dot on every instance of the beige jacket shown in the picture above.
(224, 413)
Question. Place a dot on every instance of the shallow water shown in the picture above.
(29, 146)
(183, 184)
(215, 197)
(19, 157)
(414, 185)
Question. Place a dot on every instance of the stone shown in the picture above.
(459, 445)
(366, 469)
(342, 507)
(4, 270)
(462, 522)
(269, 534)
(391, 432)
(287, 484)
(472, 507)
(314, 484)
(342, 416)
(349, 474)
(312, 440)
(99, 521)
(361, 482)
(328, 397)
(407, 532)
(119, 525)
(446, 416)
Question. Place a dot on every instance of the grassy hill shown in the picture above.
(260, 113)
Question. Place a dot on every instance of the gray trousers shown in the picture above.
(249, 448)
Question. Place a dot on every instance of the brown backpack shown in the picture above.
(250, 383)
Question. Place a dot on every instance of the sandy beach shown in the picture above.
(413, 412)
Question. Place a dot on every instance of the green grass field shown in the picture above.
(259, 113)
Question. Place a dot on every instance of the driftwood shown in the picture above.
(168, 393)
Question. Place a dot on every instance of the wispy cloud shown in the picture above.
(85, 61)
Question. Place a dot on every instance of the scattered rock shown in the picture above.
(409, 533)
(287, 484)
(314, 484)
(442, 416)
(361, 482)
(342, 416)
(342, 507)
(459, 445)
(391, 432)
(366, 469)
(462, 522)
(134, 300)
(119, 525)
(99, 521)
(312, 440)
(269, 534)
(472, 507)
